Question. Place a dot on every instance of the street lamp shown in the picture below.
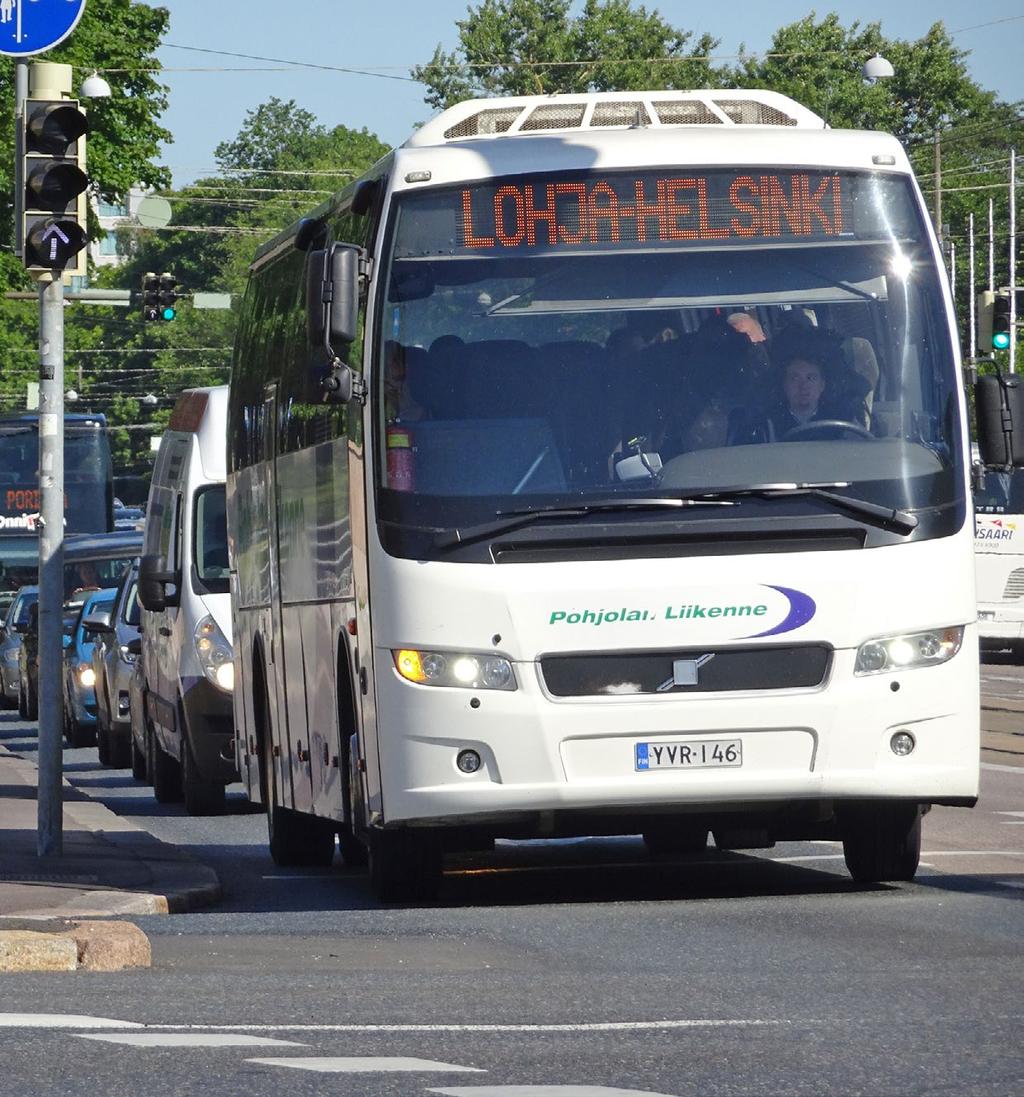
(71, 397)
(95, 87)
(877, 68)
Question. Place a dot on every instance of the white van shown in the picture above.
(186, 610)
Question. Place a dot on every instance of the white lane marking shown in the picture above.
(1003, 769)
(1014, 814)
(592, 1026)
(545, 1091)
(809, 857)
(187, 1039)
(61, 1020)
(365, 1064)
(301, 876)
(974, 853)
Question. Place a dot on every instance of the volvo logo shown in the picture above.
(685, 672)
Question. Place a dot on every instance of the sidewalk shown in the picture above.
(109, 867)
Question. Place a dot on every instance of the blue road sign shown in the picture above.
(34, 26)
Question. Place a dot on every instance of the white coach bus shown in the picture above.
(999, 559)
(598, 465)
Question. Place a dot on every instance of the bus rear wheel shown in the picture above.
(882, 842)
(405, 865)
(294, 837)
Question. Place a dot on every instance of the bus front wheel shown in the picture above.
(405, 865)
(882, 842)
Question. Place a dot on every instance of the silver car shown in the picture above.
(12, 627)
(112, 664)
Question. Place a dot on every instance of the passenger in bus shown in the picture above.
(398, 399)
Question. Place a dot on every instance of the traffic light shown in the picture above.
(52, 159)
(159, 296)
(168, 297)
(150, 297)
(1001, 332)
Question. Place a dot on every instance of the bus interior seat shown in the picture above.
(860, 356)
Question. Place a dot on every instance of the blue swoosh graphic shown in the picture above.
(802, 608)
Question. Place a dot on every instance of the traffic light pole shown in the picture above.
(50, 82)
(50, 818)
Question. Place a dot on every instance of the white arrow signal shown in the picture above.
(54, 231)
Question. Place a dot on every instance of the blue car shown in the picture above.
(79, 677)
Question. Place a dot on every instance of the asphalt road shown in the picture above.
(574, 969)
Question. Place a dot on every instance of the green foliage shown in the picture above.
(538, 47)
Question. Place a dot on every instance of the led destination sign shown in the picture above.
(627, 209)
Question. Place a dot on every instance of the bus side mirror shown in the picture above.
(154, 579)
(332, 295)
(999, 414)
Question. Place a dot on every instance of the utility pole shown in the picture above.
(938, 184)
(1013, 260)
(972, 296)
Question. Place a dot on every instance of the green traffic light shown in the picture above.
(168, 313)
(1001, 340)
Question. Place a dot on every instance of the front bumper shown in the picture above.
(210, 729)
(544, 755)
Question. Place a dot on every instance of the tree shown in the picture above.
(537, 47)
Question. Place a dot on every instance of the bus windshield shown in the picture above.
(88, 477)
(549, 339)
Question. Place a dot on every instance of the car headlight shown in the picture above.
(215, 654)
(86, 676)
(911, 649)
(468, 669)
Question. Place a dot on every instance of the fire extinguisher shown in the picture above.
(401, 465)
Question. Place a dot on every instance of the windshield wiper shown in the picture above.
(507, 520)
(900, 521)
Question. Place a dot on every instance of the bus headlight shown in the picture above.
(912, 649)
(86, 676)
(468, 669)
(215, 654)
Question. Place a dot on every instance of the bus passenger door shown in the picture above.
(273, 630)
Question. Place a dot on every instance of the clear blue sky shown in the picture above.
(207, 107)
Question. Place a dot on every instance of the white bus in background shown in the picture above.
(999, 558)
(517, 549)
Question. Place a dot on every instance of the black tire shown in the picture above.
(78, 734)
(353, 850)
(139, 768)
(882, 842)
(120, 750)
(166, 774)
(202, 797)
(22, 702)
(677, 840)
(31, 703)
(405, 865)
(5, 702)
(102, 744)
(294, 837)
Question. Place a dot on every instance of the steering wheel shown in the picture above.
(824, 426)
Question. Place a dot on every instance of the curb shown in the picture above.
(72, 946)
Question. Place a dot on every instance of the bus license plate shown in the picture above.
(700, 754)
